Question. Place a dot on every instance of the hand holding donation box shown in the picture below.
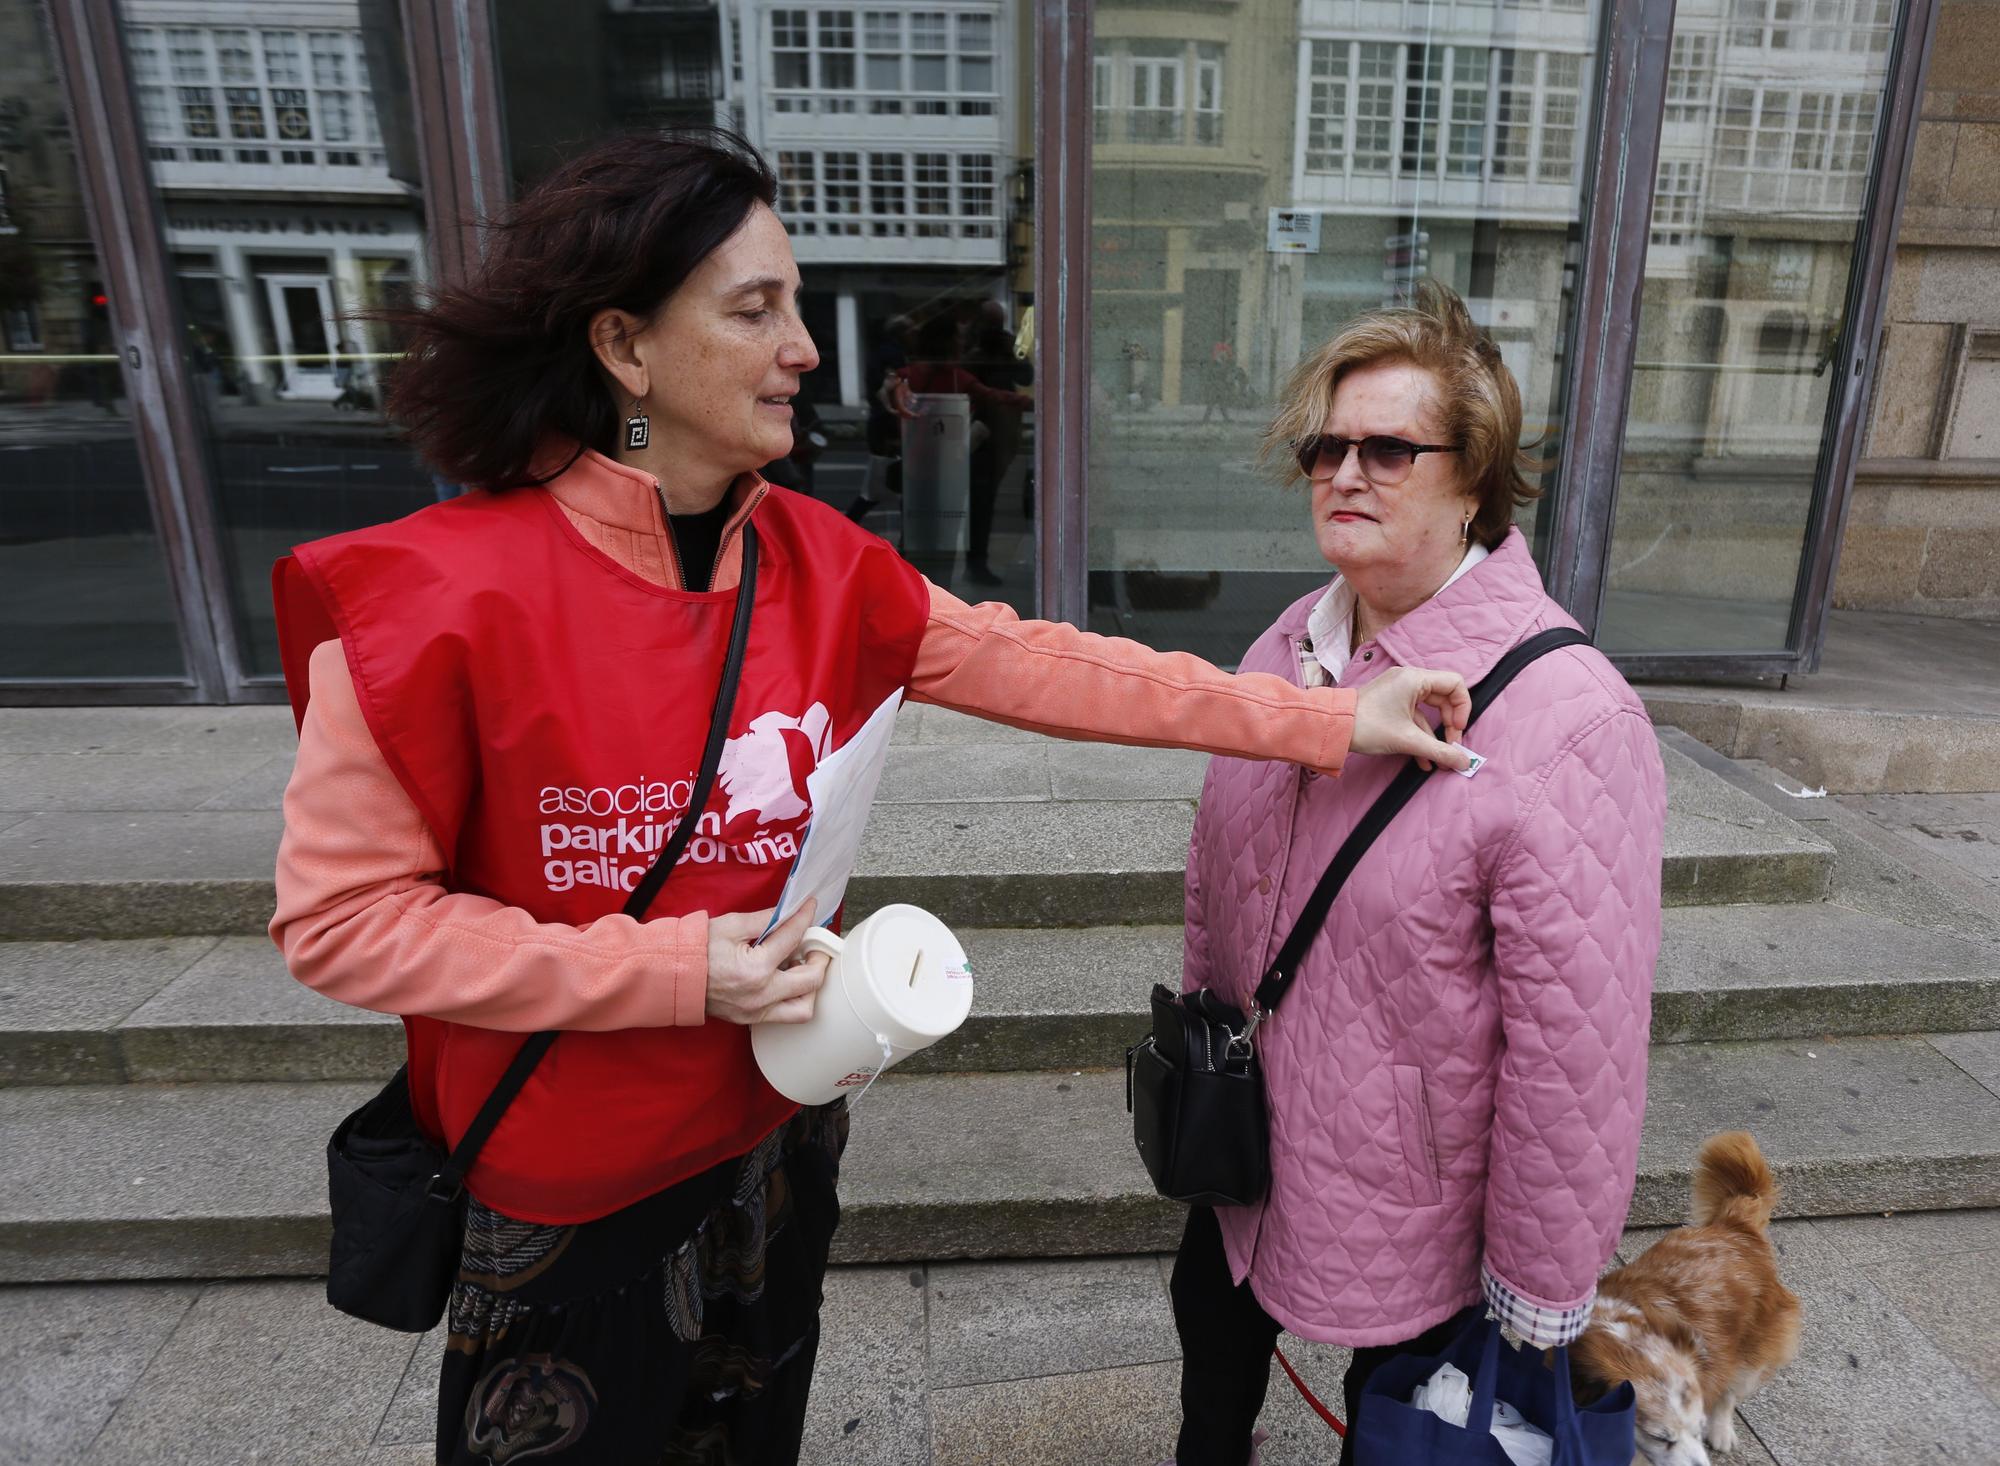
(897, 983)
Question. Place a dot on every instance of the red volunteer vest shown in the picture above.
(546, 709)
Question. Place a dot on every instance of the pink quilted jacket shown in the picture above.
(1458, 1075)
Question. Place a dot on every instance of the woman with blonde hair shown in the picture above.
(1456, 1078)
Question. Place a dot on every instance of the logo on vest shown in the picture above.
(765, 770)
(762, 774)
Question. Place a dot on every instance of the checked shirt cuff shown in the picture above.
(1540, 1325)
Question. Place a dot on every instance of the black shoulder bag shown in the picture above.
(398, 1200)
(1193, 1085)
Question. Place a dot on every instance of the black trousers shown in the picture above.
(1226, 1344)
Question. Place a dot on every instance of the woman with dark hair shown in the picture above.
(502, 703)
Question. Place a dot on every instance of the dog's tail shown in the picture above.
(1732, 1183)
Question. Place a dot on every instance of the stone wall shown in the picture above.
(1923, 529)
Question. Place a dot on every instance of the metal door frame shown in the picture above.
(447, 53)
(1599, 394)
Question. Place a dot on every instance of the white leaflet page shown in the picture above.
(842, 789)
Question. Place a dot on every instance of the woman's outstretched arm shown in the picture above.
(1049, 677)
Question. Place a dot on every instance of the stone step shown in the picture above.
(206, 1009)
(1035, 860)
(1901, 705)
(155, 1181)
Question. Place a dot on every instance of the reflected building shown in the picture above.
(1254, 174)
(282, 213)
(1766, 146)
(897, 134)
(1261, 177)
(1764, 157)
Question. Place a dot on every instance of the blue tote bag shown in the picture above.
(1389, 1431)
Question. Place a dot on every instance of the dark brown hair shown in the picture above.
(1478, 399)
(499, 364)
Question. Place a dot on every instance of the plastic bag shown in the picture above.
(1448, 1395)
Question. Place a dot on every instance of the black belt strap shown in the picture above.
(1285, 966)
(530, 1053)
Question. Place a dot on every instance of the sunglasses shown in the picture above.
(1384, 460)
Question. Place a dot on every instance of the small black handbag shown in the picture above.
(1193, 1085)
(398, 1200)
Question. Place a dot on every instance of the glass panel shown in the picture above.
(900, 136)
(279, 251)
(1261, 177)
(1763, 176)
(83, 581)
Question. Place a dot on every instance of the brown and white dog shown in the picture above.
(1699, 1321)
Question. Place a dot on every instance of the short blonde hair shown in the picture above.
(1478, 399)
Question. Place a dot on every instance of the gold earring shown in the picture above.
(1465, 529)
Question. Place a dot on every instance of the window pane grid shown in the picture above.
(1501, 112)
(925, 194)
(289, 86)
(1326, 106)
(887, 63)
(1465, 146)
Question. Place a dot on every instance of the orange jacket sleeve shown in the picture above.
(1051, 678)
(363, 915)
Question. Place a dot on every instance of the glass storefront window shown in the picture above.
(288, 217)
(84, 592)
(1262, 175)
(1763, 177)
(902, 137)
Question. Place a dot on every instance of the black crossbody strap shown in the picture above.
(636, 905)
(1285, 966)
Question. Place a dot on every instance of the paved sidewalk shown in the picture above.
(973, 1364)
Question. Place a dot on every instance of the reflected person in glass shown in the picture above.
(504, 700)
(1456, 1078)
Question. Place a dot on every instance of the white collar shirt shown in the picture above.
(1330, 628)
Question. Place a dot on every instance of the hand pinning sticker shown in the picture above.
(1478, 763)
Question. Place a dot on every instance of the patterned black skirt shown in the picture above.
(681, 1329)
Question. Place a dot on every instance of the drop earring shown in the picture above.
(1465, 529)
(638, 427)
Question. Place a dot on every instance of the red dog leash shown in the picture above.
(1310, 1398)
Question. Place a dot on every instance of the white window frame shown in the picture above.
(1800, 147)
(1468, 74)
(963, 199)
(176, 67)
(1149, 78)
(1691, 78)
(1329, 86)
(1517, 95)
(1576, 97)
(895, 32)
(1195, 73)
(1677, 202)
(1206, 102)
(1341, 108)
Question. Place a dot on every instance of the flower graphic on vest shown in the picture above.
(764, 771)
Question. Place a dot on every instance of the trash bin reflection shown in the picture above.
(937, 480)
